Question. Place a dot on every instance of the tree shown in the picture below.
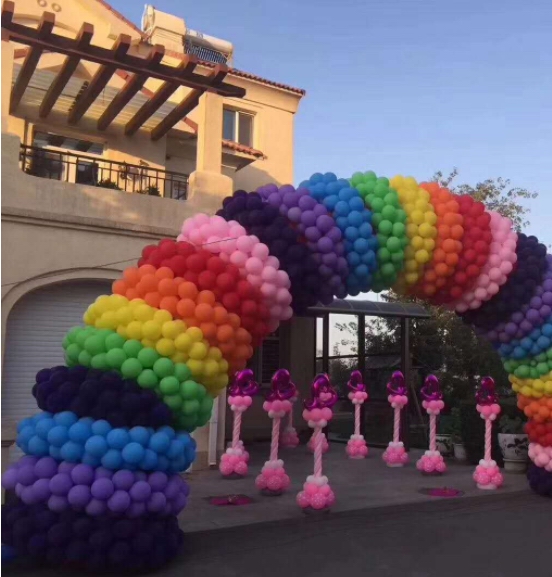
(443, 344)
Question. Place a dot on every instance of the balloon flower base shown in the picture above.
(311, 512)
(269, 493)
(395, 455)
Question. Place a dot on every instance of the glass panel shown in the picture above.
(228, 125)
(87, 173)
(245, 132)
(319, 336)
(343, 334)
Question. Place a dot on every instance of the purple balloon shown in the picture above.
(140, 491)
(156, 502)
(175, 484)
(158, 481)
(96, 508)
(290, 199)
(41, 489)
(306, 202)
(308, 218)
(60, 484)
(79, 496)
(325, 223)
(57, 503)
(294, 214)
(26, 475)
(119, 502)
(136, 510)
(102, 489)
(9, 479)
(324, 245)
(103, 473)
(334, 234)
(312, 234)
(82, 474)
(123, 480)
(46, 468)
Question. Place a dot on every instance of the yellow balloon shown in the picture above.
(162, 316)
(429, 244)
(214, 353)
(172, 329)
(425, 230)
(148, 343)
(122, 331)
(124, 315)
(422, 256)
(196, 367)
(134, 330)
(417, 243)
(183, 342)
(108, 320)
(151, 330)
(198, 351)
(143, 313)
(417, 217)
(195, 334)
(165, 347)
(179, 357)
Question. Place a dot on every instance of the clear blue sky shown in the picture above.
(403, 86)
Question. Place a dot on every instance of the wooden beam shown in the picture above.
(68, 68)
(187, 105)
(132, 86)
(101, 78)
(163, 93)
(30, 63)
(133, 64)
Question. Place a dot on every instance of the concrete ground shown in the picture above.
(381, 526)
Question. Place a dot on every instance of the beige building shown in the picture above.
(112, 135)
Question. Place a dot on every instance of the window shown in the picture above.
(238, 127)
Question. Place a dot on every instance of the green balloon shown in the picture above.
(385, 227)
(384, 255)
(72, 352)
(148, 357)
(169, 385)
(404, 241)
(85, 358)
(357, 178)
(401, 215)
(72, 334)
(533, 373)
(163, 367)
(392, 199)
(377, 204)
(114, 341)
(376, 219)
(80, 339)
(393, 244)
(389, 212)
(99, 361)
(148, 379)
(115, 358)
(189, 390)
(174, 402)
(207, 404)
(543, 368)
(182, 372)
(190, 407)
(370, 175)
(549, 354)
(132, 348)
(383, 180)
(187, 422)
(201, 391)
(131, 368)
(388, 271)
(399, 229)
(398, 258)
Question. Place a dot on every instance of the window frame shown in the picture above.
(236, 125)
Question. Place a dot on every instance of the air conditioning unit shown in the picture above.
(172, 32)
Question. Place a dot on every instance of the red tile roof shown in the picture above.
(232, 71)
(242, 148)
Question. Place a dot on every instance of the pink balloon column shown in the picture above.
(395, 455)
(290, 438)
(432, 462)
(233, 463)
(317, 493)
(273, 479)
(487, 475)
(356, 446)
(312, 444)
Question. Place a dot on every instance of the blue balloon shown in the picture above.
(342, 208)
(329, 177)
(353, 258)
(37, 446)
(365, 230)
(356, 203)
(80, 432)
(112, 459)
(159, 442)
(169, 431)
(547, 329)
(330, 202)
(361, 246)
(352, 233)
(317, 177)
(72, 452)
(362, 271)
(117, 438)
(526, 343)
(332, 188)
(43, 428)
(101, 427)
(133, 453)
(66, 418)
(176, 449)
(96, 446)
(355, 218)
(139, 435)
(58, 435)
(149, 461)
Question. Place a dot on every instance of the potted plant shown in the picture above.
(456, 432)
(444, 436)
(513, 443)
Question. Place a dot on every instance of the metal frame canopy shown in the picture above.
(371, 308)
(138, 70)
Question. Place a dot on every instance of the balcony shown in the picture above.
(65, 166)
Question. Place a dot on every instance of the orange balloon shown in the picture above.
(186, 308)
(147, 284)
(207, 297)
(225, 333)
(234, 320)
(164, 272)
(120, 287)
(204, 312)
(220, 315)
(243, 336)
(153, 299)
(132, 294)
(209, 330)
(169, 303)
(146, 269)
(131, 276)
(167, 288)
(187, 290)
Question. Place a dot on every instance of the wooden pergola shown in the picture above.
(138, 70)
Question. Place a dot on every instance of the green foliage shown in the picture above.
(456, 425)
(511, 425)
(150, 191)
(495, 193)
(107, 183)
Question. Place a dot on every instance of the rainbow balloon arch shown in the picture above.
(99, 486)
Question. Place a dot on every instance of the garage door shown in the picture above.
(36, 327)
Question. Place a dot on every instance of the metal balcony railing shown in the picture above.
(59, 164)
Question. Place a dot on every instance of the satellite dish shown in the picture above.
(148, 17)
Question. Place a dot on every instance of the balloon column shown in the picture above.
(290, 438)
(233, 464)
(395, 454)
(432, 462)
(317, 493)
(487, 475)
(356, 445)
(273, 479)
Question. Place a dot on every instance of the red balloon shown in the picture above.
(206, 280)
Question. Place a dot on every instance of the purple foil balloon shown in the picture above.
(244, 384)
(396, 385)
(486, 394)
(431, 391)
(322, 392)
(355, 382)
(282, 387)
